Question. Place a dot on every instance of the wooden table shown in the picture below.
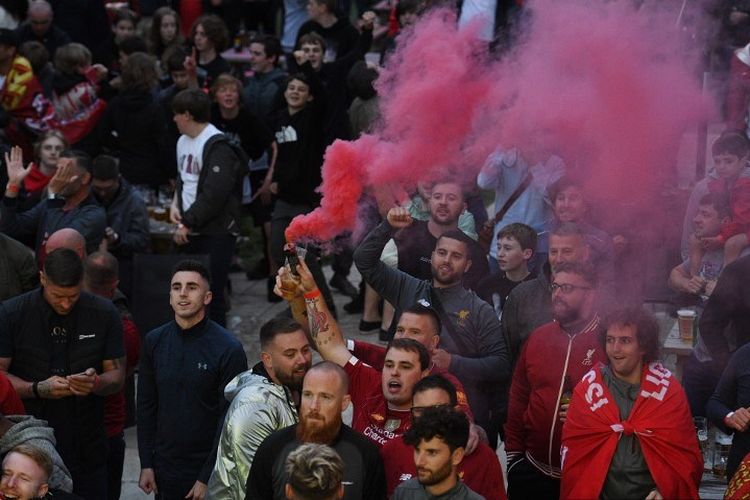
(682, 349)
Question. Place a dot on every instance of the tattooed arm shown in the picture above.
(324, 331)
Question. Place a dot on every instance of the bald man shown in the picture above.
(325, 394)
(39, 28)
(66, 238)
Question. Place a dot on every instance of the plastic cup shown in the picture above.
(686, 322)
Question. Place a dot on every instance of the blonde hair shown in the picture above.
(315, 471)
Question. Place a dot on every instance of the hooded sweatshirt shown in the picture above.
(34, 432)
(135, 129)
(258, 407)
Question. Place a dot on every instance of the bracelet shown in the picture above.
(311, 295)
(11, 188)
(35, 390)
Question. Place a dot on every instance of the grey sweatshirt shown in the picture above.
(486, 363)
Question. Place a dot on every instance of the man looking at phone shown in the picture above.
(62, 350)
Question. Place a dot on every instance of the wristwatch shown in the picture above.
(55, 196)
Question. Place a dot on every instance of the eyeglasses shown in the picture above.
(417, 411)
(567, 289)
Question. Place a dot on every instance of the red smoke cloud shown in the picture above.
(604, 85)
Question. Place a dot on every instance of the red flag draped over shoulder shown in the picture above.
(660, 418)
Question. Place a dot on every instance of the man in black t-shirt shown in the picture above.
(62, 350)
(325, 394)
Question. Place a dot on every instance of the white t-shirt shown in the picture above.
(189, 163)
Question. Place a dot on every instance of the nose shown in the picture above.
(419, 459)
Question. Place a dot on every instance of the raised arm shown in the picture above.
(324, 330)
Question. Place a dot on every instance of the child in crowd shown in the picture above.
(74, 91)
(47, 152)
(516, 245)
(123, 26)
(165, 31)
(730, 154)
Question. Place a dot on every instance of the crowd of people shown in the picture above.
(507, 332)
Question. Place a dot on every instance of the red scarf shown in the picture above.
(660, 418)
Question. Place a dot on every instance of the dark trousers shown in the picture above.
(115, 461)
(90, 484)
(282, 216)
(526, 482)
(699, 381)
(220, 248)
(172, 488)
(343, 256)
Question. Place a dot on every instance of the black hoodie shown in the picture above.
(134, 129)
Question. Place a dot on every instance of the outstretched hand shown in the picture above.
(14, 163)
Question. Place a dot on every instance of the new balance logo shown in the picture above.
(404, 477)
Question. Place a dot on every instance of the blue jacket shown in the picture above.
(181, 404)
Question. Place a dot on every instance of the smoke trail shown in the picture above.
(603, 84)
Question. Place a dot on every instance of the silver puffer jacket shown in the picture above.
(258, 408)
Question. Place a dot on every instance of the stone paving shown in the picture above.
(250, 310)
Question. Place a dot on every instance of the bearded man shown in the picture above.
(325, 394)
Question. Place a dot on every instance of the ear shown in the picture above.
(207, 298)
(527, 253)
(288, 491)
(42, 279)
(265, 359)
(345, 402)
(457, 456)
(43, 489)
(310, 98)
(586, 253)
(434, 341)
(468, 265)
(463, 209)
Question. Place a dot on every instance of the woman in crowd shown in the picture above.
(165, 31)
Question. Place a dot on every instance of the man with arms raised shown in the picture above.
(263, 400)
(184, 367)
(439, 438)
(473, 346)
(381, 399)
(629, 432)
(324, 396)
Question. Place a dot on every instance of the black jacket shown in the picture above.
(54, 38)
(364, 476)
(218, 199)
(134, 129)
(93, 333)
(48, 216)
(181, 403)
(728, 307)
(18, 271)
(128, 217)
